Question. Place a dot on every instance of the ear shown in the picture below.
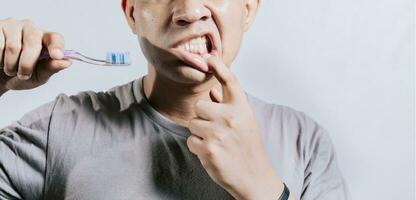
(128, 9)
(251, 7)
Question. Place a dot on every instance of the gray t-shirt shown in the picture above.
(114, 145)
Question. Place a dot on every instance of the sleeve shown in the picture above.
(323, 179)
(23, 146)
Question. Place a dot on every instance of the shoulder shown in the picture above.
(292, 126)
(115, 99)
(275, 114)
(303, 144)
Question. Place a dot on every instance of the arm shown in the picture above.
(22, 163)
(23, 154)
(23, 143)
(323, 178)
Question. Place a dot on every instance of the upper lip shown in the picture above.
(209, 35)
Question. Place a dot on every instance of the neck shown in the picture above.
(172, 99)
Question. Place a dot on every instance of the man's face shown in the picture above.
(175, 35)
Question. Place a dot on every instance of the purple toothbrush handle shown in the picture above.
(45, 54)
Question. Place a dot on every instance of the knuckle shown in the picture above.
(191, 125)
(30, 37)
(32, 29)
(27, 22)
(1, 46)
(192, 122)
(199, 104)
(221, 138)
(230, 78)
(10, 20)
(33, 37)
(230, 121)
(57, 36)
(56, 39)
(38, 33)
(189, 142)
(211, 152)
(211, 59)
(13, 48)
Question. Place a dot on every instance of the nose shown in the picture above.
(186, 12)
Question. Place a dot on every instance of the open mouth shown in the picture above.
(199, 45)
(195, 49)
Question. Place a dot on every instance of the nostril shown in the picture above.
(182, 22)
(183, 16)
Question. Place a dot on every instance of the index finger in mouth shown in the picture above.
(229, 82)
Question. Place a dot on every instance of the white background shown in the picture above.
(349, 64)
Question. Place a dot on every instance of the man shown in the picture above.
(186, 130)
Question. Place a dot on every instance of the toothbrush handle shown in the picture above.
(45, 54)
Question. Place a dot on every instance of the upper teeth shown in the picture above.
(196, 45)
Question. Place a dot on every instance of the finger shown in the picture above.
(208, 110)
(215, 95)
(201, 128)
(32, 46)
(2, 45)
(13, 41)
(195, 144)
(230, 86)
(47, 68)
(55, 45)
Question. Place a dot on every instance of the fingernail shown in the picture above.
(8, 73)
(206, 56)
(62, 64)
(23, 77)
(58, 53)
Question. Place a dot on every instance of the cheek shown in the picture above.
(231, 16)
(144, 18)
(232, 40)
(150, 21)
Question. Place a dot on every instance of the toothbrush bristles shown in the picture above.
(118, 58)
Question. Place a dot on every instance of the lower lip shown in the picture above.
(194, 60)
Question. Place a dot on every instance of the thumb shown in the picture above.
(215, 95)
(49, 67)
(55, 44)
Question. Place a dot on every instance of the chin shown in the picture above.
(186, 74)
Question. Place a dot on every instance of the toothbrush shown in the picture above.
(113, 58)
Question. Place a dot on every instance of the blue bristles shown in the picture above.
(118, 58)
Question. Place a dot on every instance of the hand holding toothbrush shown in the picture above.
(29, 56)
(21, 44)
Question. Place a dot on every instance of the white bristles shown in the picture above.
(118, 58)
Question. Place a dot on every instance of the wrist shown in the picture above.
(270, 189)
(267, 187)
